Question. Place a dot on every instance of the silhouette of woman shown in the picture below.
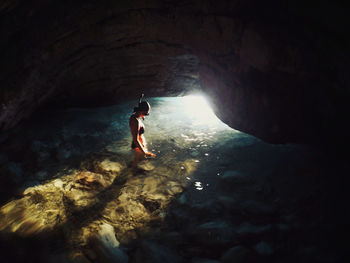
(137, 129)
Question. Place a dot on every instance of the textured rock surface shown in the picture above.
(277, 70)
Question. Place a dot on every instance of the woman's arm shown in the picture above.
(135, 127)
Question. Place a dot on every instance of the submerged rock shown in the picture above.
(58, 183)
(91, 179)
(238, 254)
(152, 252)
(110, 166)
(147, 166)
(107, 236)
(106, 246)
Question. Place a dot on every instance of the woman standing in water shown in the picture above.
(137, 129)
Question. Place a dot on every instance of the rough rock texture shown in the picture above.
(275, 69)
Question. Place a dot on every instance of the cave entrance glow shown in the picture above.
(198, 108)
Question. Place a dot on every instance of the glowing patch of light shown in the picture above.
(198, 186)
(196, 106)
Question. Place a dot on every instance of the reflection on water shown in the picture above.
(198, 185)
(77, 167)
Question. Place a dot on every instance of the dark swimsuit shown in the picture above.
(141, 131)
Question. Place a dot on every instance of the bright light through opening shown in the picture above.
(196, 106)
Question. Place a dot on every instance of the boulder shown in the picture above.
(110, 166)
(107, 247)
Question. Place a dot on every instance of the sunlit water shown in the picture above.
(73, 158)
(71, 172)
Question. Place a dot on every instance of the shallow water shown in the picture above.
(71, 175)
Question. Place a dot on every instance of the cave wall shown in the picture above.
(277, 69)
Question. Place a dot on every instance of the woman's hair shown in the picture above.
(143, 106)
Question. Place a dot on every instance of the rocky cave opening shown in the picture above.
(264, 182)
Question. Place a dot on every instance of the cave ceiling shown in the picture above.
(276, 70)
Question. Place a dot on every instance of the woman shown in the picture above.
(137, 129)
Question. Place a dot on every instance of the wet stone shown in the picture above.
(147, 166)
(107, 236)
(58, 183)
(110, 166)
(91, 179)
(237, 254)
(106, 246)
(150, 205)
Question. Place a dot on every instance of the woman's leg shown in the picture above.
(138, 156)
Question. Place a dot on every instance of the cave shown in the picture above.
(248, 122)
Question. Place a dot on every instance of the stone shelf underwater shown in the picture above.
(212, 194)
